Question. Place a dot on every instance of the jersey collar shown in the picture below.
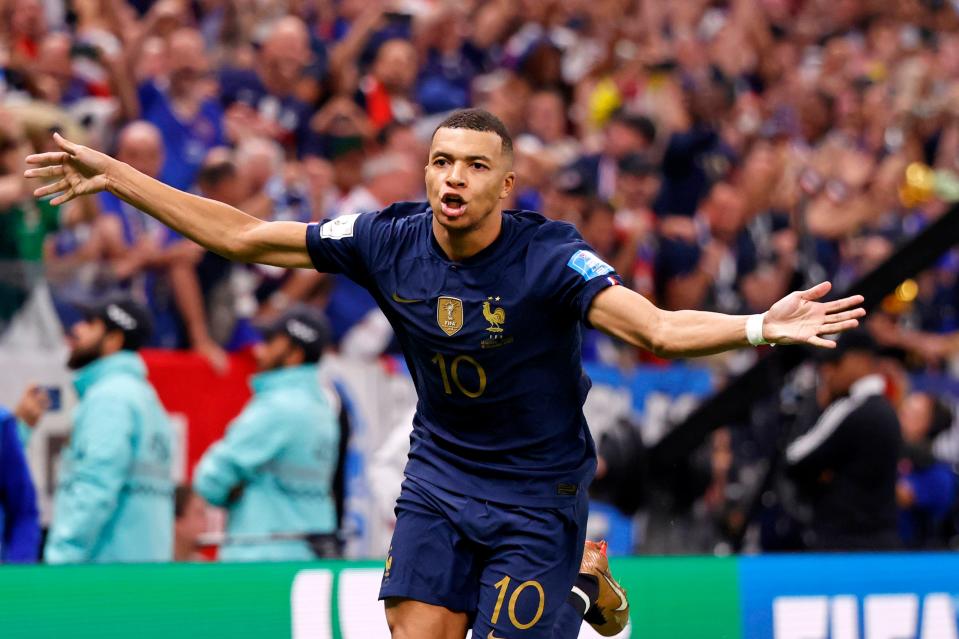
(488, 254)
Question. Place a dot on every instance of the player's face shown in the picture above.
(467, 177)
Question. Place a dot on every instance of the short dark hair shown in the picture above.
(639, 123)
(478, 120)
(215, 173)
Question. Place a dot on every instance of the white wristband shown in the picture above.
(754, 330)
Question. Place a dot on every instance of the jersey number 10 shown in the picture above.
(453, 372)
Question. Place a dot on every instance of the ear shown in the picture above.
(509, 180)
(295, 356)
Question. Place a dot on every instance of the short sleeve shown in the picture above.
(344, 245)
(573, 273)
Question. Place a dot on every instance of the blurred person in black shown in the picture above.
(845, 465)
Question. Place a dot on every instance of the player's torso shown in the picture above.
(483, 340)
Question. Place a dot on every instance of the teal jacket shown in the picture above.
(114, 499)
(282, 449)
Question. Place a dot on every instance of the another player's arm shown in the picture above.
(796, 319)
(80, 170)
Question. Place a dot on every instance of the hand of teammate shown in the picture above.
(81, 171)
(799, 318)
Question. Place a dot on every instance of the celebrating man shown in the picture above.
(486, 304)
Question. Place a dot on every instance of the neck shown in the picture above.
(463, 244)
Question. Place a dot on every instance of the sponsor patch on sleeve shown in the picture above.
(587, 264)
(339, 228)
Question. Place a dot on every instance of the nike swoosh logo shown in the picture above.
(403, 300)
(492, 636)
(623, 602)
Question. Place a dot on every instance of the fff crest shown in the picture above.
(449, 314)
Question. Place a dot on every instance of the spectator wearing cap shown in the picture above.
(845, 465)
(273, 470)
(114, 497)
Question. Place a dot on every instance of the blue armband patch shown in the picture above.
(588, 265)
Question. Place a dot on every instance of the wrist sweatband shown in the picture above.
(754, 330)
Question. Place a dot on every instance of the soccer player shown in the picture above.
(486, 304)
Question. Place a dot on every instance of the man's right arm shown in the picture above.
(251, 440)
(79, 170)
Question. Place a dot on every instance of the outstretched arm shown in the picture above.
(79, 170)
(797, 318)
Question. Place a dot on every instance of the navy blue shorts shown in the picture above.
(510, 568)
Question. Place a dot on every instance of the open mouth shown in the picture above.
(453, 205)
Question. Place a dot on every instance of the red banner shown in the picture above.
(189, 386)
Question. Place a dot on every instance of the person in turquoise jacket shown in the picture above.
(273, 470)
(114, 498)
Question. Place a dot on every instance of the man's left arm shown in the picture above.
(798, 318)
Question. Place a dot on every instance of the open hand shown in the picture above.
(799, 318)
(81, 171)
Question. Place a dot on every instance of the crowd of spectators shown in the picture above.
(718, 153)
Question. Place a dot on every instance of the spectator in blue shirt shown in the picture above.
(926, 490)
(19, 518)
(263, 101)
(190, 121)
(138, 248)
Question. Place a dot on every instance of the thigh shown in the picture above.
(430, 559)
(410, 619)
(528, 575)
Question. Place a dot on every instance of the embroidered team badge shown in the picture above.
(495, 317)
(449, 314)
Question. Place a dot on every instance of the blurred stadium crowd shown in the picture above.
(718, 154)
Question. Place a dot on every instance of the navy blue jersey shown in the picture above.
(492, 343)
